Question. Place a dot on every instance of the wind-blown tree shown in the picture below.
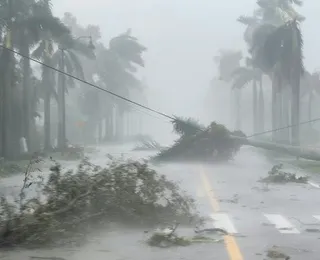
(116, 68)
(268, 18)
(254, 74)
(283, 53)
(242, 77)
(66, 59)
(228, 61)
(310, 87)
(23, 24)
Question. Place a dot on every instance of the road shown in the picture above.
(257, 216)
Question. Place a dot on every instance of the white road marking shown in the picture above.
(317, 217)
(282, 224)
(223, 221)
(314, 184)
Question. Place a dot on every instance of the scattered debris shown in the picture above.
(277, 175)
(313, 230)
(167, 238)
(69, 205)
(276, 254)
(211, 230)
(148, 145)
(235, 199)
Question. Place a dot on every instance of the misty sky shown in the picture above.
(182, 37)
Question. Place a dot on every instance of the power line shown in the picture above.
(136, 103)
(284, 127)
(88, 83)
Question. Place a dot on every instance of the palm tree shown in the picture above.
(228, 61)
(26, 21)
(116, 68)
(271, 16)
(65, 58)
(243, 76)
(283, 54)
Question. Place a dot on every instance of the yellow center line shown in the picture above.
(229, 241)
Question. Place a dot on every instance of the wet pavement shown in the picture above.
(258, 216)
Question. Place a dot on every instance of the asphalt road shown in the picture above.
(258, 217)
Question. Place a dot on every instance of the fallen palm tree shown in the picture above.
(217, 143)
(197, 142)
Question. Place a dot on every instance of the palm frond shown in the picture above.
(128, 48)
(36, 25)
(242, 80)
(55, 59)
(76, 63)
(186, 126)
(247, 20)
(38, 52)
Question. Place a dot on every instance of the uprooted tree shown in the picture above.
(127, 192)
(217, 143)
(197, 142)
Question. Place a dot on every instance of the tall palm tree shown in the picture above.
(270, 16)
(283, 53)
(26, 21)
(243, 76)
(116, 68)
(65, 58)
(228, 61)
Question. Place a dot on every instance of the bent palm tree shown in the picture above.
(283, 52)
(243, 76)
(65, 58)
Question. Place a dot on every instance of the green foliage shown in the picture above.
(213, 143)
(186, 126)
(127, 192)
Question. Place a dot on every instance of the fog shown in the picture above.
(182, 37)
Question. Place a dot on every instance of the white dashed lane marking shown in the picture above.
(223, 221)
(282, 224)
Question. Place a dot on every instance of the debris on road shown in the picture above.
(199, 143)
(235, 199)
(168, 238)
(313, 230)
(277, 175)
(275, 254)
(125, 191)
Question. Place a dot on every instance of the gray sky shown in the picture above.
(182, 37)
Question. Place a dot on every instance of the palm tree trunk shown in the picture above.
(261, 107)
(26, 96)
(7, 141)
(255, 106)
(108, 126)
(279, 115)
(310, 102)
(295, 109)
(285, 114)
(274, 105)
(46, 84)
(238, 109)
